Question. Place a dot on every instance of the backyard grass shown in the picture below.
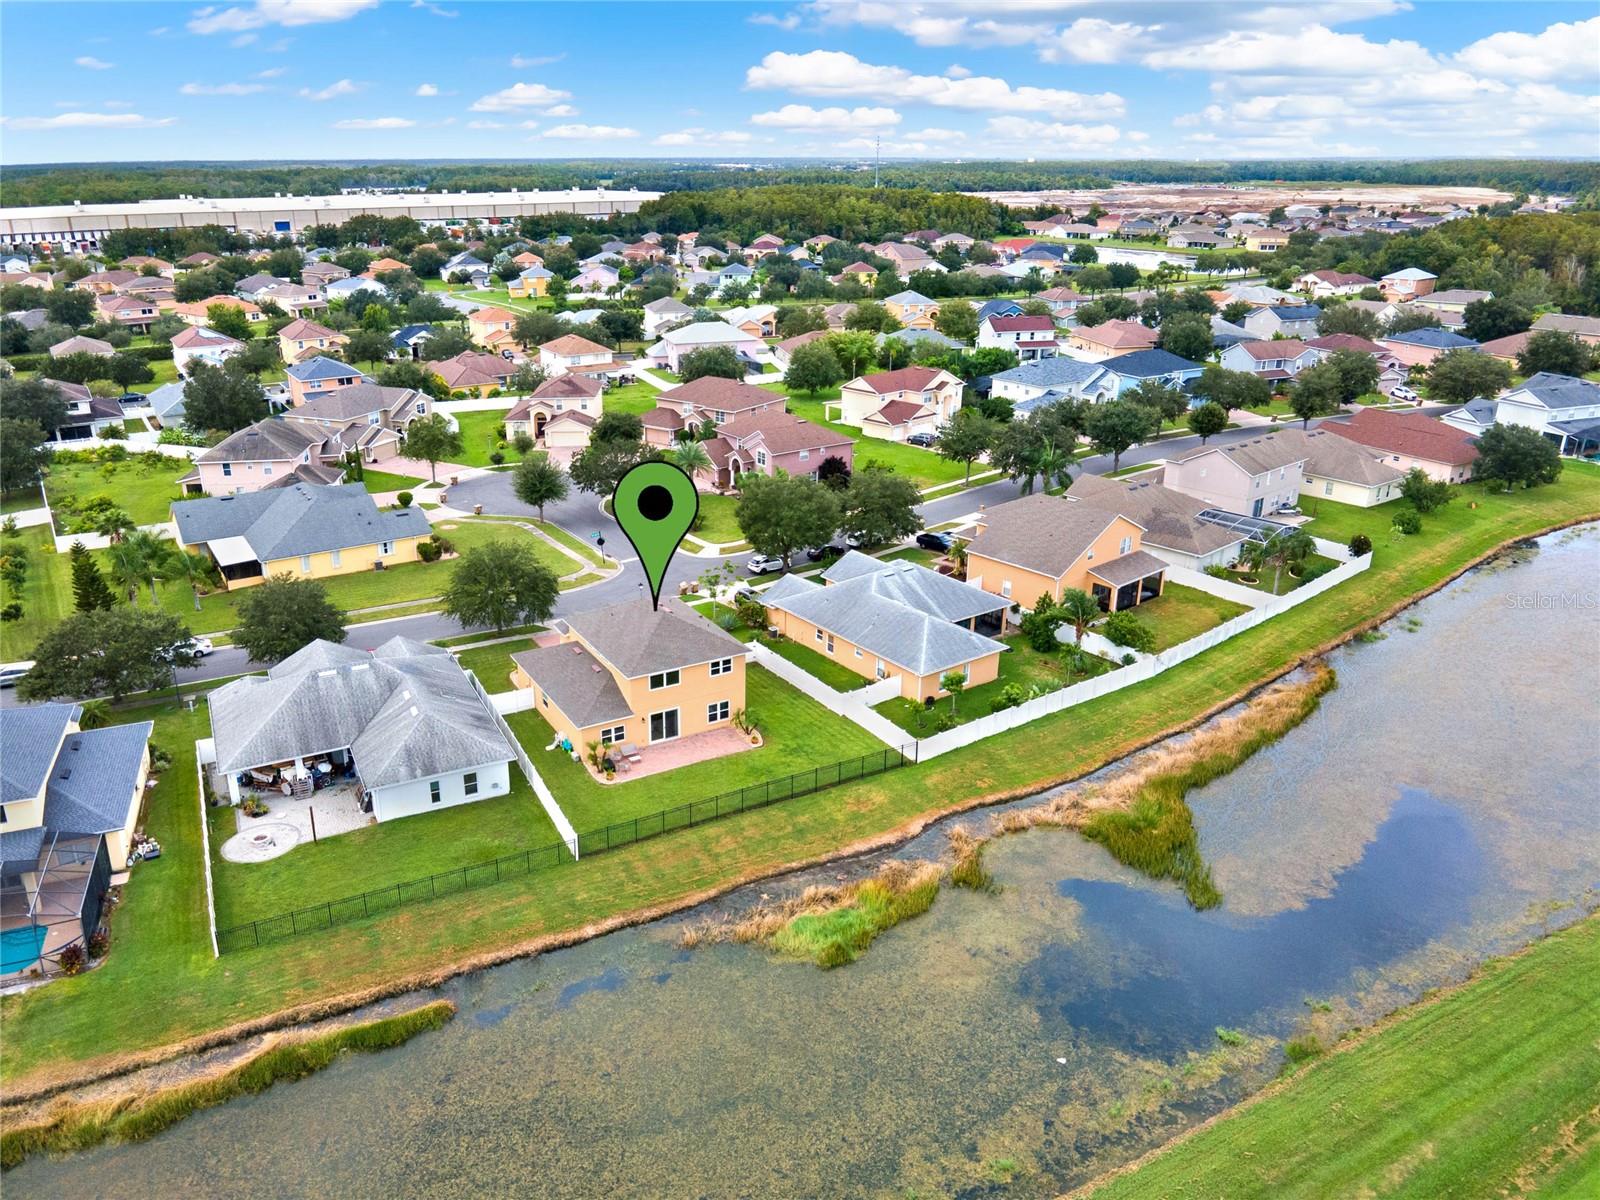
(1486, 1092)
(20, 500)
(480, 436)
(492, 664)
(1022, 665)
(160, 983)
(1285, 582)
(145, 492)
(638, 398)
(45, 594)
(923, 466)
(799, 734)
(717, 523)
(166, 371)
(1181, 613)
(383, 481)
(830, 670)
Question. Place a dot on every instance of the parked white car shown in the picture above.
(1401, 392)
(764, 564)
(10, 673)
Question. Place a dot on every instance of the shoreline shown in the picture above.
(39, 1086)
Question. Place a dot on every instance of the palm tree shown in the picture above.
(692, 458)
(1287, 549)
(125, 565)
(155, 556)
(114, 524)
(1080, 610)
(1054, 465)
(94, 714)
(194, 569)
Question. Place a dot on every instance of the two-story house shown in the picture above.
(895, 405)
(365, 419)
(757, 320)
(688, 407)
(912, 309)
(559, 414)
(1284, 320)
(665, 313)
(1253, 478)
(491, 328)
(1400, 286)
(199, 344)
(1109, 339)
(571, 353)
(635, 675)
(318, 376)
(134, 313)
(270, 453)
(1030, 338)
(531, 282)
(1562, 407)
(306, 339)
(1274, 361)
(770, 440)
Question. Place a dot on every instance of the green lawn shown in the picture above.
(1487, 1092)
(924, 466)
(1181, 613)
(144, 491)
(392, 852)
(717, 522)
(480, 436)
(637, 398)
(161, 983)
(799, 732)
(1285, 581)
(383, 481)
(166, 371)
(20, 500)
(831, 671)
(45, 595)
(1022, 664)
(492, 664)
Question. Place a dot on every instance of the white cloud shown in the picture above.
(1094, 40)
(528, 125)
(520, 95)
(87, 120)
(803, 116)
(118, 104)
(481, 124)
(788, 22)
(435, 9)
(222, 89)
(238, 19)
(90, 63)
(1052, 137)
(559, 110)
(957, 71)
(271, 72)
(374, 123)
(1315, 50)
(343, 87)
(834, 73)
(597, 133)
(1563, 49)
(245, 39)
(426, 89)
(521, 62)
(704, 137)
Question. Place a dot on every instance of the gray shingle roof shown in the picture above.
(638, 640)
(269, 440)
(1258, 455)
(1146, 364)
(357, 400)
(913, 584)
(29, 736)
(1130, 568)
(92, 783)
(1560, 391)
(1057, 372)
(1039, 533)
(576, 683)
(320, 367)
(284, 522)
(1169, 517)
(406, 711)
(871, 610)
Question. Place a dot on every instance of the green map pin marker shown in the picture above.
(655, 503)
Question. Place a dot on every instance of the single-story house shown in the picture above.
(79, 344)
(893, 405)
(632, 673)
(1452, 300)
(1411, 439)
(413, 728)
(883, 619)
(757, 320)
(1585, 329)
(1344, 471)
(1055, 377)
(1321, 284)
(783, 352)
(1509, 348)
(1127, 371)
(474, 371)
(304, 531)
(408, 341)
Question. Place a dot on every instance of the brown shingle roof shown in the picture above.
(1411, 434)
(569, 344)
(720, 395)
(906, 379)
(781, 432)
(1040, 533)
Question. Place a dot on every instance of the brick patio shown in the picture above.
(680, 752)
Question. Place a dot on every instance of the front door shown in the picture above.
(539, 420)
(664, 725)
(1255, 509)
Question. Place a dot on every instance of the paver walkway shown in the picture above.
(847, 704)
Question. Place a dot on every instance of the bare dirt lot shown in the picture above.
(1259, 197)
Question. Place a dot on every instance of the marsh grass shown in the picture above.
(838, 934)
(967, 869)
(133, 1118)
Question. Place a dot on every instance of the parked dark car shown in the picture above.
(925, 440)
(935, 541)
(832, 550)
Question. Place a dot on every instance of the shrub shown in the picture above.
(160, 760)
(1408, 521)
(73, 960)
(99, 943)
(1010, 696)
(11, 612)
(1218, 571)
(751, 613)
(428, 551)
(1314, 570)
(523, 443)
(497, 458)
(1360, 544)
(111, 454)
(1302, 1049)
(114, 432)
(404, 499)
(446, 546)
(1230, 1037)
(1125, 629)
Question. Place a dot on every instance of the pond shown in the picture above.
(1438, 808)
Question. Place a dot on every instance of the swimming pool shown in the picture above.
(19, 948)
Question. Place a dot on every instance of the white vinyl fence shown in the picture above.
(520, 700)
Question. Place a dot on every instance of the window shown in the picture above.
(663, 679)
(469, 783)
(804, 454)
(664, 725)
(1005, 589)
(761, 458)
(722, 666)
(227, 468)
(717, 711)
(433, 792)
(267, 470)
(830, 643)
(610, 737)
(1327, 488)
(385, 547)
(819, 635)
(337, 558)
(422, 408)
(1125, 546)
(305, 564)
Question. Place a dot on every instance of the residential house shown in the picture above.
(1283, 320)
(558, 414)
(197, 343)
(757, 320)
(269, 454)
(1030, 338)
(79, 344)
(1408, 284)
(409, 340)
(70, 804)
(302, 530)
(251, 287)
(634, 674)
(595, 278)
(578, 355)
(664, 314)
(1563, 408)
(918, 339)
(886, 619)
(1049, 379)
(150, 287)
(1063, 301)
(769, 440)
(689, 406)
(166, 403)
(907, 260)
(382, 266)
(1419, 347)
(87, 415)
(1256, 295)
(293, 298)
(1109, 339)
(321, 274)
(699, 335)
(301, 339)
(837, 314)
(199, 312)
(1321, 284)
(474, 372)
(491, 328)
(133, 313)
(1127, 371)
(783, 352)
(1171, 524)
(893, 405)
(367, 420)
(314, 377)
(1585, 329)
(1509, 348)
(1275, 361)
(415, 730)
(862, 272)
(999, 308)
(912, 309)
(1344, 471)
(1411, 439)
(1257, 477)
(1266, 241)
(103, 283)
(1452, 302)
(464, 264)
(531, 282)
(1196, 238)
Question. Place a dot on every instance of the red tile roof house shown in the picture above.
(1273, 361)
(772, 440)
(708, 398)
(893, 405)
(471, 371)
(1410, 439)
(1032, 338)
(131, 312)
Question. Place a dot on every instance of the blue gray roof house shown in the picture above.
(1433, 339)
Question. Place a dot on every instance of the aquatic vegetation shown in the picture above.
(1230, 1037)
(131, 1117)
(968, 870)
(838, 933)
(1304, 1048)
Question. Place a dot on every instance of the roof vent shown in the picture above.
(326, 674)
(77, 744)
(66, 773)
(414, 711)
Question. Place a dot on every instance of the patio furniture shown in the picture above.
(629, 751)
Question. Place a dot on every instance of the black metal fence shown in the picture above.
(317, 917)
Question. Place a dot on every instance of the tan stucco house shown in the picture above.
(893, 405)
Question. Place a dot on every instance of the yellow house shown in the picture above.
(892, 620)
(1042, 545)
(635, 675)
(491, 327)
(1266, 241)
(301, 530)
(302, 339)
(531, 283)
(912, 309)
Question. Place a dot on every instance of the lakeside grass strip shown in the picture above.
(131, 1118)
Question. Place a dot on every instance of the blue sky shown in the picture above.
(949, 79)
